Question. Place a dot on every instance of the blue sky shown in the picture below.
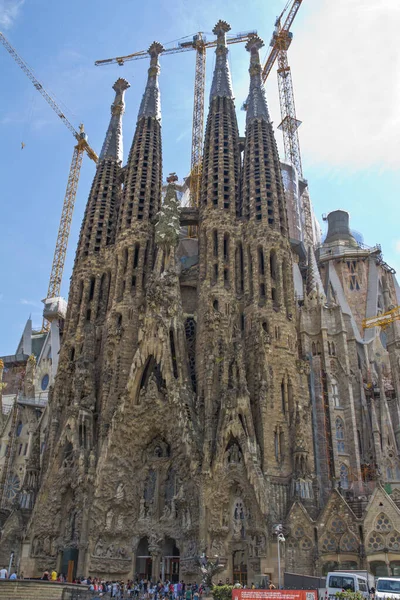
(345, 60)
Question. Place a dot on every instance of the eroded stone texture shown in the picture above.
(211, 389)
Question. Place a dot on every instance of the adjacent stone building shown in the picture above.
(212, 388)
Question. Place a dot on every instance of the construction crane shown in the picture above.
(280, 42)
(382, 320)
(200, 45)
(82, 146)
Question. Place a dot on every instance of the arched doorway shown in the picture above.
(170, 561)
(239, 559)
(143, 559)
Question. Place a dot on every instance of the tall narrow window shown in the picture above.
(239, 269)
(344, 477)
(261, 265)
(283, 396)
(173, 354)
(91, 288)
(335, 393)
(226, 247)
(272, 265)
(136, 256)
(215, 243)
(340, 435)
(250, 271)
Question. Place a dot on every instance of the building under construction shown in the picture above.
(214, 387)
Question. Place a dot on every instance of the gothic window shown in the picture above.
(190, 332)
(333, 349)
(150, 486)
(318, 349)
(170, 486)
(393, 541)
(389, 473)
(299, 531)
(19, 428)
(349, 543)
(353, 281)
(329, 543)
(239, 517)
(375, 542)
(306, 544)
(335, 393)
(338, 525)
(340, 435)
(344, 477)
(215, 243)
(313, 349)
(383, 523)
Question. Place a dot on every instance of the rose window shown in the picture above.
(13, 486)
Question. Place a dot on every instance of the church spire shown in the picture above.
(150, 105)
(221, 83)
(99, 222)
(314, 286)
(141, 197)
(256, 102)
(112, 147)
(262, 199)
(221, 162)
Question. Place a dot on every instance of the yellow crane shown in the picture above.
(81, 146)
(382, 320)
(200, 45)
(280, 42)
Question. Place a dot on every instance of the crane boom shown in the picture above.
(82, 146)
(198, 43)
(382, 320)
(281, 40)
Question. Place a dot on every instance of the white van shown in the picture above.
(339, 581)
(387, 587)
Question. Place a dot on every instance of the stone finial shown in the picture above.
(155, 49)
(112, 146)
(121, 85)
(221, 28)
(172, 178)
(254, 45)
(150, 105)
(256, 103)
(221, 83)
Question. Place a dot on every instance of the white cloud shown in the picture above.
(29, 302)
(397, 246)
(345, 61)
(9, 11)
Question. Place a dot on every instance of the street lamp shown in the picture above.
(281, 540)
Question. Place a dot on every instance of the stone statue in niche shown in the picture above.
(109, 519)
(234, 455)
(99, 548)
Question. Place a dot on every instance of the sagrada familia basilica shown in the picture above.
(213, 388)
